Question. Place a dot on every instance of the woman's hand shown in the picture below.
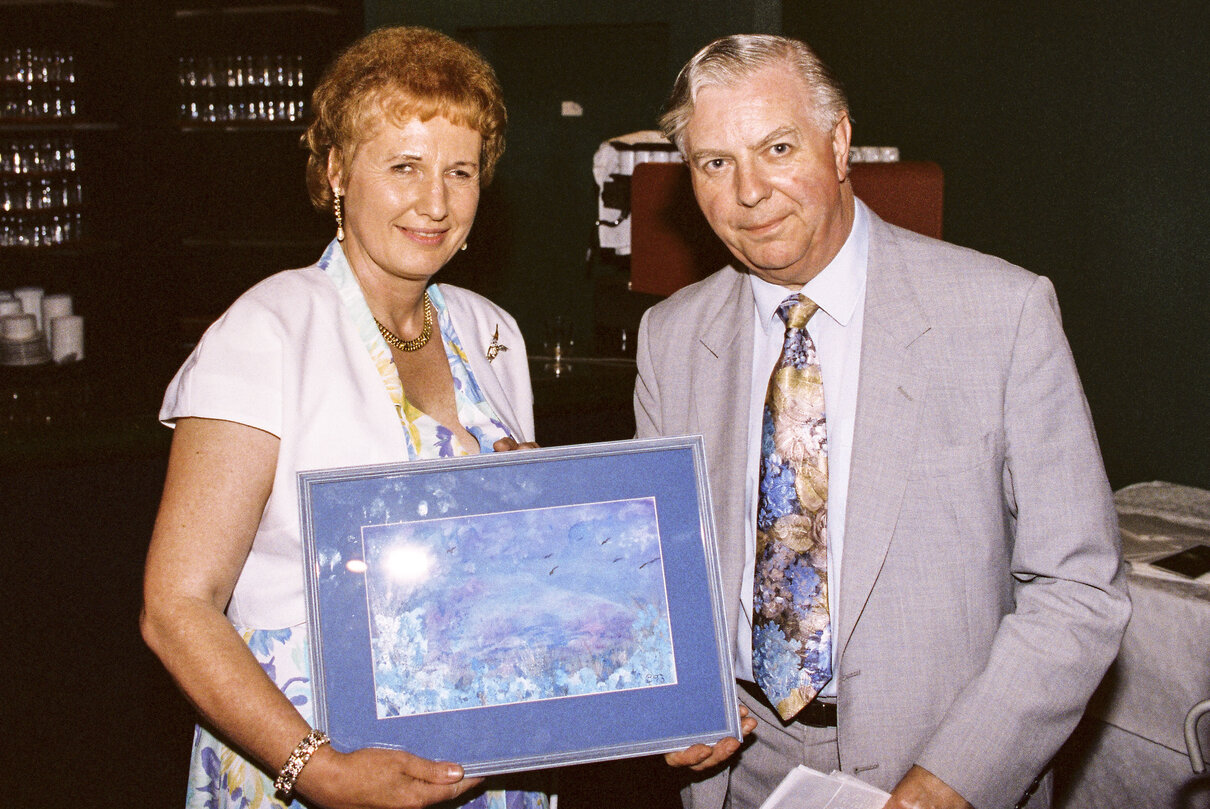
(375, 778)
(701, 757)
(508, 443)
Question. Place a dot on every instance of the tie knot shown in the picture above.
(796, 310)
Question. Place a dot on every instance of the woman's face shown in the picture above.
(410, 194)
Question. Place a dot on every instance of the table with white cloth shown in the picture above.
(1130, 751)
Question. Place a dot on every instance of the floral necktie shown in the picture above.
(791, 630)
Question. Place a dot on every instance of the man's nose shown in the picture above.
(751, 186)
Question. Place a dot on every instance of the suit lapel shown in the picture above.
(890, 395)
(721, 367)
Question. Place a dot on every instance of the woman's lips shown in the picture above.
(426, 237)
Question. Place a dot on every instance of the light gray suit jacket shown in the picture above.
(981, 594)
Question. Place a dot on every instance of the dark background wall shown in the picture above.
(1072, 136)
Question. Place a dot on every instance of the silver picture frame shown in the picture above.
(519, 610)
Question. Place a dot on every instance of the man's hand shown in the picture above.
(701, 757)
(920, 789)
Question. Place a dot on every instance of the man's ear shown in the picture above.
(842, 140)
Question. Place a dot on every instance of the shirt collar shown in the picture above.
(837, 287)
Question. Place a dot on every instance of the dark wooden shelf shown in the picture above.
(55, 125)
(80, 248)
(240, 127)
(253, 241)
(262, 9)
(83, 3)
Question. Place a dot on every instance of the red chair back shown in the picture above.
(671, 245)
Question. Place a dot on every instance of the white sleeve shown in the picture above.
(235, 372)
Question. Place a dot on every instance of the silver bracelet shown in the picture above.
(284, 783)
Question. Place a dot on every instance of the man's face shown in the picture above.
(769, 179)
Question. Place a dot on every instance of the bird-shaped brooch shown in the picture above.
(494, 349)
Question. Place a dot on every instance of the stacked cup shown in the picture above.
(36, 328)
(21, 343)
(64, 330)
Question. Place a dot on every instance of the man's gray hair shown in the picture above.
(730, 60)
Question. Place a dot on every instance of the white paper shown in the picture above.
(805, 788)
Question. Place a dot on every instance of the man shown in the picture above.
(956, 592)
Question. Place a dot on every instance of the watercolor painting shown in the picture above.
(519, 606)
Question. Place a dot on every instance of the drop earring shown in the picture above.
(340, 219)
(463, 247)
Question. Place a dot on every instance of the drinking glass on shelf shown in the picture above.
(207, 81)
(558, 341)
(20, 158)
(280, 70)
(299, 85)
(559, 338)
(25, 65)
(38, 83)
(262, 66)
(61, 228)
(231, 77)
(12, 196)
(262, 81)
(187, 79)
(10, 100)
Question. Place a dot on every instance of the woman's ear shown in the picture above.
(336, 172)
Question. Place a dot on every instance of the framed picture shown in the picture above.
(519, 610)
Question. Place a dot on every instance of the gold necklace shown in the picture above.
(420, 342)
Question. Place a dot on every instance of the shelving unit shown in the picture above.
(55, 119)
(61, 126)
(244, 74)
(169, 218)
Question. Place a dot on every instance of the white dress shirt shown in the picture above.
(839, 290)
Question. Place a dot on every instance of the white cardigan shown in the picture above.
(286, 358)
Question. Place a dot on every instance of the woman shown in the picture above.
(355, 360)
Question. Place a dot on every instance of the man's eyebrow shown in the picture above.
(704, 154)
(776, 135)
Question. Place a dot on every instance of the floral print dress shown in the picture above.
(219, 777)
